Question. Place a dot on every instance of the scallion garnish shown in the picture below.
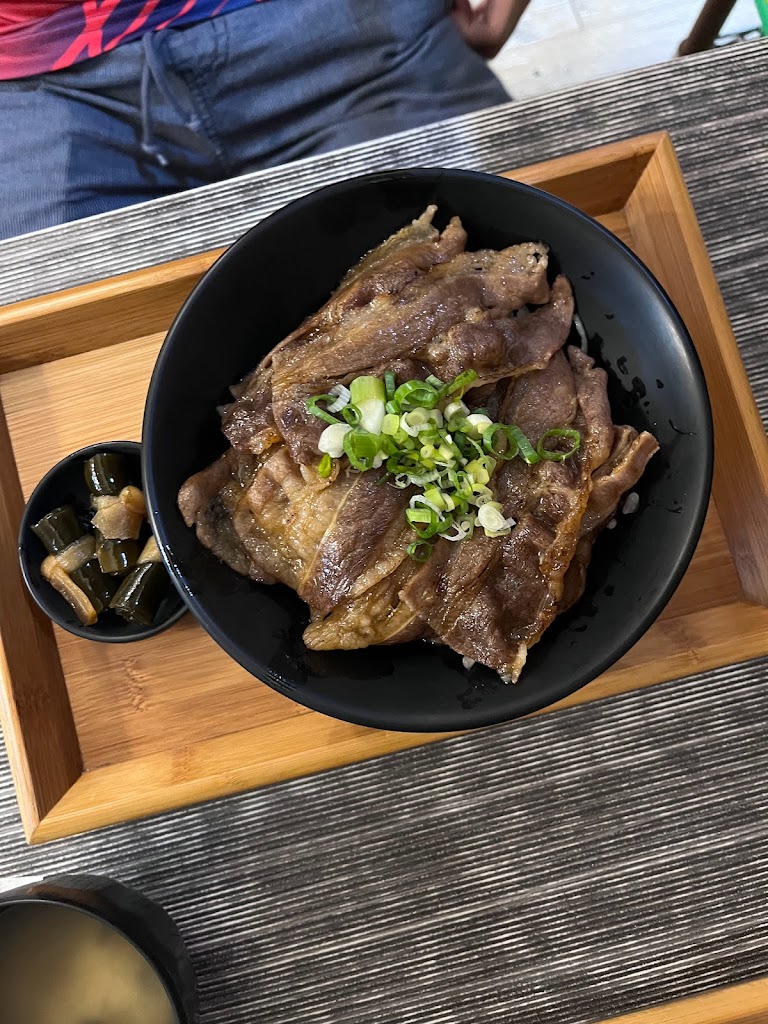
(427, 437)
(459, 384)
(424, 522)
(527, 452)
(420, 550)
(361, 448)
(571, 437)
(368, 394)
(415, 394)
(352, 415)
(499, 450)
(313, 406)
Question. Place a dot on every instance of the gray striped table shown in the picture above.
(566, 868)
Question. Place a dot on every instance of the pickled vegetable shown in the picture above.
(58, 529)
(118, 522)
(75, 597)
(106, 474)
(116, 556)
(98, 587)
(141, 593)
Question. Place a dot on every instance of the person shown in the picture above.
(104, 103)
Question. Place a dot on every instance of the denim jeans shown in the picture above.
(267, 84)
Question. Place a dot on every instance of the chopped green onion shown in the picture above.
(365, 389)
(445, 524)
(391, 408)
(462, 483)
(390, 424)
(361, 448)
(331, 440)
(571, 436)
(405, 462)
(509, 451)
(352, 415)
(424, 522)
(420, 550)
(464, 527)
(416, 418)
(313, 406)
(434, 381)
(389, 385)
(369, 394)
(527, 452)
(435, 497)
(491, 518)
(477, 423)
(342, 397)
(325, 467)
(459, 384)
(480, 470)
(415, 393)
(457, 410)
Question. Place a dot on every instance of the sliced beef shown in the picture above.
(396, 326)
(366, 540)
(376, 616)
(287, 510)
(207, 502)
(249, 423)
(494, 610)
(498, 348)
(628, 459)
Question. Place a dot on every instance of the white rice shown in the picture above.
(631, 503)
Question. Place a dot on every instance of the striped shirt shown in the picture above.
(37, 36)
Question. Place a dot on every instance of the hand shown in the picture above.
(489, 24)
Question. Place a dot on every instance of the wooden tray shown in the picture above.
(98, 734)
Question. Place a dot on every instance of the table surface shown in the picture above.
(566, 868)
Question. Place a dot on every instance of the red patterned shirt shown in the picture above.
(46, 35)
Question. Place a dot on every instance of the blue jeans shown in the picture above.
(267, 84)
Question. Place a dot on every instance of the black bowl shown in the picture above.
(141, 922)
(284, 269)
(65, 484)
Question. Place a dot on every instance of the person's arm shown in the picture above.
(489, 24)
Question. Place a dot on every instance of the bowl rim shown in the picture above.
(77, 629)
(96, 914)
(316, 700)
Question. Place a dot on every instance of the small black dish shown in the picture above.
(65, 484)
(285, 268)
(143, 924)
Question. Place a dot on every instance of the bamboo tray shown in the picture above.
(99, 733)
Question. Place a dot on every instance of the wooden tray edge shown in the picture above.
(746, 1003)
(740, 486)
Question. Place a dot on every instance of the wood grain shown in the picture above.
(173, 720)
(599, 181)
(666, 234)
(37, 720)
(97, 315)
(737, 1004)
